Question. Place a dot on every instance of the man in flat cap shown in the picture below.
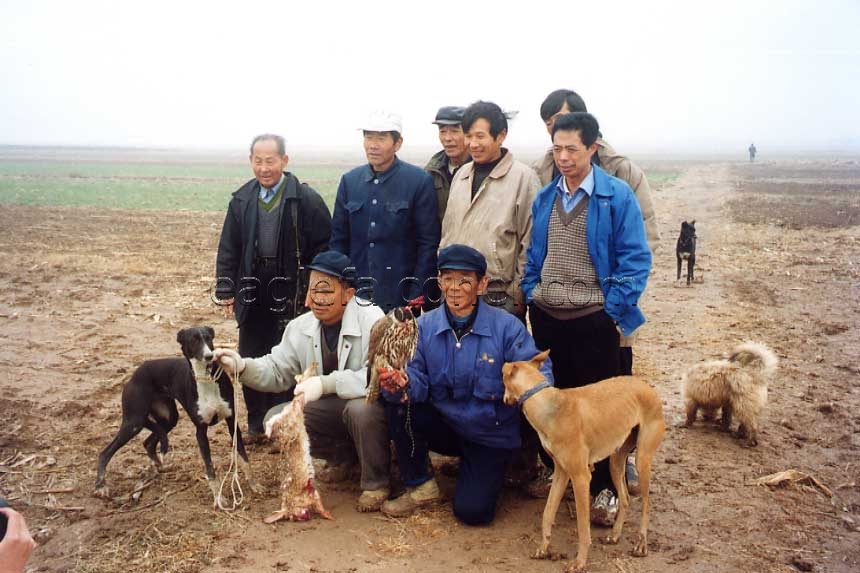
(451, 400)
(444, 164)
(335, 335)
(386, 219)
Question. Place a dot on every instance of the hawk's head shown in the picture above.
(403, 318)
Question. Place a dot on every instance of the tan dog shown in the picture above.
(738, 386)
(581, 426)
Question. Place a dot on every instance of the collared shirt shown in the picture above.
(267, 194)
(568, 199)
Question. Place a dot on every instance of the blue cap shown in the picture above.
(462, 258)
(332, 263)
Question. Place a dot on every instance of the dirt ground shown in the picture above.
(90, 294)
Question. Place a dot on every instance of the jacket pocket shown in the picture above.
(397, 207)
(489, 388)
(354, 206)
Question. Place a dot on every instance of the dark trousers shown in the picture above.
(583, 351)
(261, 330)
(482, 468)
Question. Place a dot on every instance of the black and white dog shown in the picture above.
(686, 249)
(149, 401)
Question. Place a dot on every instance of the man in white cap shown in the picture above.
(386, 219)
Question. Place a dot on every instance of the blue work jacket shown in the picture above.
(617, 245)
(463, 379)
(388, 225)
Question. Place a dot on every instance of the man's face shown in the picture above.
(483, 147)
(380, 148)
(453, 141)
(571, 156)
(551, 121)
(267, 163)
(461, 290)
(327, 297)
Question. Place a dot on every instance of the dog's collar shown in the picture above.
(532, 391)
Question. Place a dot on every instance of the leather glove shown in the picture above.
(392, 380)
(311, 388)
(229, 360)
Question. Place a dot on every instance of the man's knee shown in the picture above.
(359, 414)
(472, 511)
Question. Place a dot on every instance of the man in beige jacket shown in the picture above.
(489, 206)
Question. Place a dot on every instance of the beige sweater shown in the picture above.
(498, 222)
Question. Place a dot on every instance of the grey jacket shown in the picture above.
(300, 346)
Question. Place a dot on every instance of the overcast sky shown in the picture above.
(659, 76)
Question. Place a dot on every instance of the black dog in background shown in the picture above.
(686, 249)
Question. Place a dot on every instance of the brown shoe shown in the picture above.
(425, 494)
(372, 500)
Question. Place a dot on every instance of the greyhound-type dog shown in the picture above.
(149, 401)
(580, 426)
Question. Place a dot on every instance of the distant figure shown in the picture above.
(752, 151)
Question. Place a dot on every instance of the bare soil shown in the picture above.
(89, 294)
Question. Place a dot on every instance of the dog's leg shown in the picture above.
(726, 421)
(203, 444)
(158, 436)
(560, 480)
(243, 456)
(690, 262)
(617, 471)
(692, 410)
(128, 430)
(678, 256)
(581, 482)
(650, 435)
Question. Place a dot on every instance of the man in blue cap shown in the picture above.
(445, 164)
(335, 335)
(451, 399)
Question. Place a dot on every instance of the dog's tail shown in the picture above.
(755, 355)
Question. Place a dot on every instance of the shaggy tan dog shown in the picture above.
(737, 385)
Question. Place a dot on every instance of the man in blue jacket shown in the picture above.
(451, 401)
(586, 268)
(386, 219)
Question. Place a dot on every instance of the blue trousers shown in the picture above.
(482, 468)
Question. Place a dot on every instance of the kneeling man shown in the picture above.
(451, 399)
(335, 335)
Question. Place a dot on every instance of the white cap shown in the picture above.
(383, 121)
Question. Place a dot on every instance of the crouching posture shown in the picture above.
(450, 400)
(335, 334)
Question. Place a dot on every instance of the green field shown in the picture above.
(164, 186)
(160, 185)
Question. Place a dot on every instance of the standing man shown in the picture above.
(489, 207)
(752, 151)
(564, 101)
(444, 165)
(451, 399)
(386, 219)
(588, 263)
(335, 335)
(274, 226)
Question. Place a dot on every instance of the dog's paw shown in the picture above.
(610, 539)
(575, 567)
(640, 548)
(102, 492)
(257, 488)
(545, 553)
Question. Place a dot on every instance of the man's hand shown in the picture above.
(392, 380)
(17, 545)
(311, 388)
(229, 360)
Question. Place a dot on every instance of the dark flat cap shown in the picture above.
(332, 263)
(449, 115)
(462, 258)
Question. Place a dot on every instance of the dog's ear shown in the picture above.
(539, 359)
(181, 336)
(211, 331)
(693, 223)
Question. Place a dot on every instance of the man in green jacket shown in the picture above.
(444, 164)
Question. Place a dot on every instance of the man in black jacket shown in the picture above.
(275, 225)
